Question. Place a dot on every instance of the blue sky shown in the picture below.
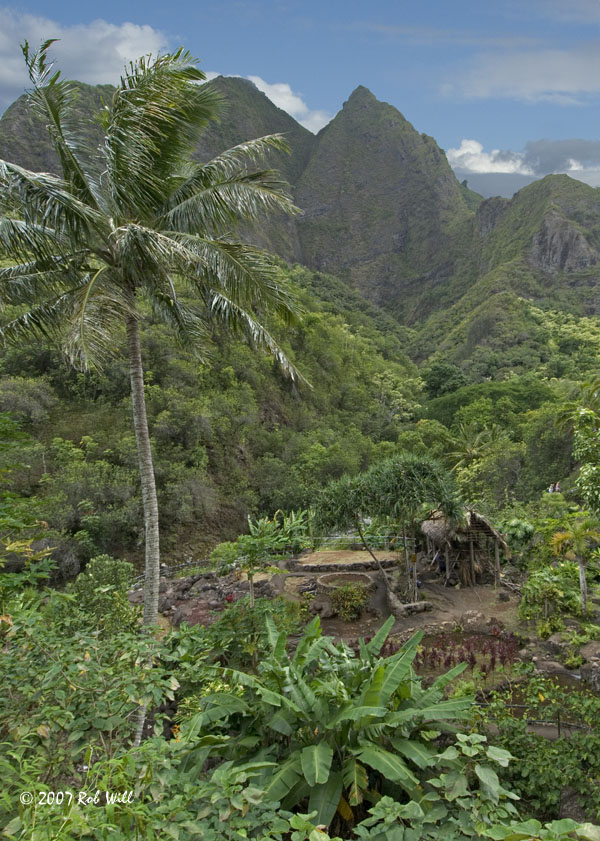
(511, 88)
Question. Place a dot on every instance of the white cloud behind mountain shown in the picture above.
(281, 94)
(94, 52)
(471, 157)
(502, 172)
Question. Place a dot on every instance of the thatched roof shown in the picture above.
(474, 525)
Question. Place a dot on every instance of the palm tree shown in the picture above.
(470, 442)
(137, 221)
(577, 538)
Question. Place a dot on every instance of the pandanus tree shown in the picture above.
(136, 226)
(396, 488)
(409, 485)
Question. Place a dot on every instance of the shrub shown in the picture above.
(99, 597)
(349, 601)
(551, 590)
(239, 636)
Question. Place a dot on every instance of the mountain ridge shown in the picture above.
(383, 211)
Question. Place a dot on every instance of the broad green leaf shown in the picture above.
(450, 754)
(376, 644)
(270, 697)
(325, 798)
(417, 752)
(280, 724)
(13, 826)
(300, 692)
(316, 763)
(411, 811)
(312, 634)
(588, 831)
(363, 651)
(372, 693)
(516, 832)
(562, 827)
(398, 666)
(355, 714)
(489, 780)
(456, 785)
(227, 705)
(276, 638)
(299, 792)
(284, 779)
(502, 757)
(443, 680)
(450, 709)
(389, 765)
(355, 780)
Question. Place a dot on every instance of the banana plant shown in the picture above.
(342, 727)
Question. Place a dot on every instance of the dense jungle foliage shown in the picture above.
(231, 437)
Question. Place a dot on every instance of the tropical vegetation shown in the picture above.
(355, 426)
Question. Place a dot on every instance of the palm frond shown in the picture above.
(55, 101)
(245, 274)
(28, 283)
(238, 320)
(44, 321)
(20, 240)
(146, 256)
(225, 190)
(188, 323)
(47, 202)
(220, 205)
(157, 114)
(96, 309)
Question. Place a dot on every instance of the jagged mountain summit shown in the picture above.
(380, 204)
(383, 210)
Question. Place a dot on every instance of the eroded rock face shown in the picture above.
(591, 651)
(322, 606)
(560, 246)
(488, 214)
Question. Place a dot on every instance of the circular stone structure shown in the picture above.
(332, 580)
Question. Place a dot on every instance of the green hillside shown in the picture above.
(406, 268)
(231, 436)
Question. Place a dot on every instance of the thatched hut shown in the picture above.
(470, 545)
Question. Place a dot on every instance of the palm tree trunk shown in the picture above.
(149, 499)
(583, 585)
(146, 468)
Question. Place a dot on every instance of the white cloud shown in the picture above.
(471, 157)
(540, 157)
(95, 53)
(281, 94)
(564, 77)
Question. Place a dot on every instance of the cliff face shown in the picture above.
(379, 202)
(560, 246)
